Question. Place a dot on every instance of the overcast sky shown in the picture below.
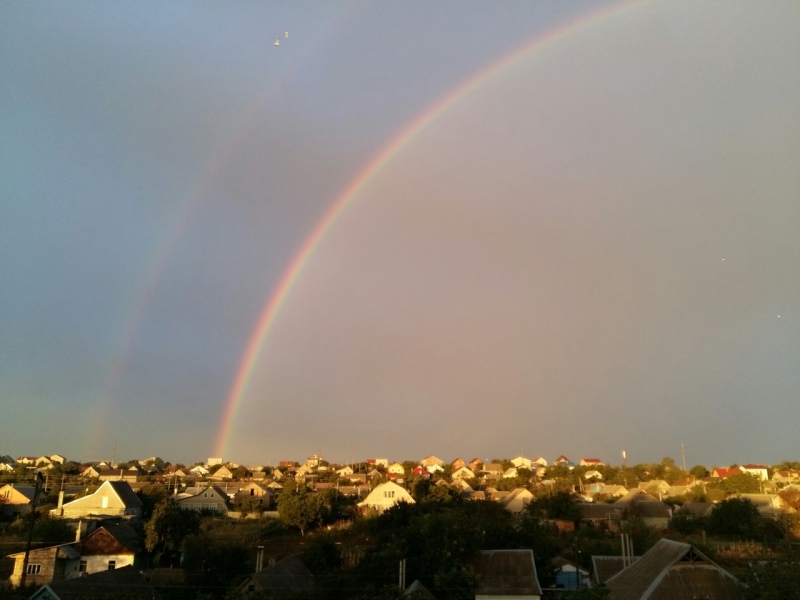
(596, 249)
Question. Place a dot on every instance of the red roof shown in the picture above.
(754, 467)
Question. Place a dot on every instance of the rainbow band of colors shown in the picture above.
(373, 168)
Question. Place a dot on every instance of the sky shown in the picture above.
(464, 228)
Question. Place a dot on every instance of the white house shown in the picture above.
(385, 496)
(463, 473)
(112, 499)
(521, 462)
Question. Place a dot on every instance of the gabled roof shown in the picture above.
(125, 493)
(288, 574)
(673, 570)
(100, 585)
(605, 567)
(419, 591)
(123, 533)
(25, 490)
(507, 572)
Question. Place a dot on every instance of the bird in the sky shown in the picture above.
(277, 41)
(286, 34)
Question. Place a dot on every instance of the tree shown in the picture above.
(301, 508)
(735, 517)
(169, 526)
(560, 505)
(698, 471)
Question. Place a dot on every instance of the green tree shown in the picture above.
(169, 526)
(735, 517)
(299, 507)
(698, 471)
(560, 505)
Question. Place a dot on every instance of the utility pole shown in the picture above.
(683, 454)
(36, 491)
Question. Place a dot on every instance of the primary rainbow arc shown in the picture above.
(370, 170)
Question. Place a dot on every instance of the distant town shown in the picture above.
(519, 527)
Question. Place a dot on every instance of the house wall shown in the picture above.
(52, 568)
(97, 563)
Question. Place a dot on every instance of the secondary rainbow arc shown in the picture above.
(371, 169)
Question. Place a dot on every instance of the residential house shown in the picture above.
(46, 565)
(44, 462)
(131, 475)
(111, 499)
(614, 491)
(288, 575)
(378, 462)
(211, 499)
(517, 500)
(510, 473)
(475, 465)
(562, 461)
(6, 467)
(462, 473)
(521, 462)
(417, 591)
(458, 464)
(493, 468)
(433, 469)
(651, 510)
(345, 471)
(591, 462)
(597, 516)
(431, 460)
(676, 571)
(570, 576)
(57, 459)
(593, 474)
(90, 472)
(605, 567)
(786, 476)
(222, 474)
(253, 490)
(396, 469)
(539, 460)
(759, 471)
(28, 461)
(769, 505)
(725, 472)
(104, 584)
(697, 509)
(420, 471)
(15, 499)
(506, 575)
(385, 496)
(654, 487)
(109, 547)
(313, 461)
(199, 471)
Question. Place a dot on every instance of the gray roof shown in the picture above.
(594, 511)
(25, 490)
(605, 567)
(418, 591)
(507, 572)
(288, 574)
(126, 493)
(698, 509)
(103, 584)
(672, 571)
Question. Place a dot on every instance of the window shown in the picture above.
(112, 564)
(82, 567)
(205, 495)
(33, 569)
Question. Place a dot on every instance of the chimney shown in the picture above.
(60, 506)
(78, 530)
